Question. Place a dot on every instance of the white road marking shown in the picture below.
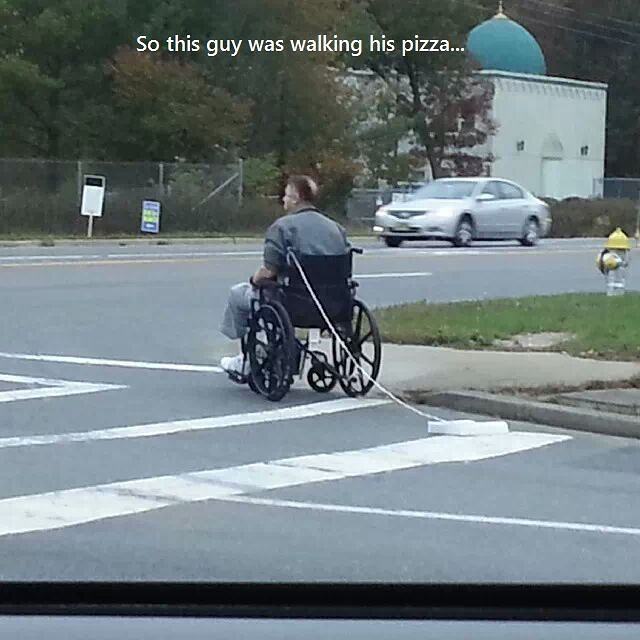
(50, 388)
(435, 515)
(65, 508)
(190, 254)
(414, 274)
(200, 424)
(369, 252)
(164, 366)
(51, 257)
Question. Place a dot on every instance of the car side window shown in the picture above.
(494, 189)
(510, 191)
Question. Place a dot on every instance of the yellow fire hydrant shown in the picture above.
(613, 262)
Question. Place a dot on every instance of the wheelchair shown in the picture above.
(275, 354)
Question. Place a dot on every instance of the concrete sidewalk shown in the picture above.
(409, 367)
(471, 381)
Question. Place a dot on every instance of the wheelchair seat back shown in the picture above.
(329, 277)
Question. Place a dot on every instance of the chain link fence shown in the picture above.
(618, 188)
(362, 203)
(44, 196)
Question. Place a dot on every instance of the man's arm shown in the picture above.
(261, 275)
(273, 256)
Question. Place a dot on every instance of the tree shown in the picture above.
(53, 94)
(446, 104)
(174, 110)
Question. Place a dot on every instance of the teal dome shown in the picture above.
(500, 44)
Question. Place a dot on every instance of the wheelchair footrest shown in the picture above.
(236, 377)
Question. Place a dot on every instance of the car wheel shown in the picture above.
(530, 233)
(393, 242)
(464, 233)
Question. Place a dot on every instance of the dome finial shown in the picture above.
(500, 13)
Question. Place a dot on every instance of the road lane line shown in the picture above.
(158, 258)
(190, 254)
(53, 257)
(50, 388)
(200, 424)
(400, 274)
(434, 515)
(77, 263)
(100, 362)
(69, 507)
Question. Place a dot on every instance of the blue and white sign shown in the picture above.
(150, 216)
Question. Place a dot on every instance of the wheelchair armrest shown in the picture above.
(268, 284)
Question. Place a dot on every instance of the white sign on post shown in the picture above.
(92, 199)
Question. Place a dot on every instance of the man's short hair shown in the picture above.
(306, 187)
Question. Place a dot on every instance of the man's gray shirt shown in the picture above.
(306, 231)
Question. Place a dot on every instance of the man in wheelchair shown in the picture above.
(262, 314)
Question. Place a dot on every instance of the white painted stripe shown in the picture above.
(201, 424)
(164, 366)
(125, 256)
(190, 254)
(415, 274)
(59, 509)
(435, 515)
(50, 257)
(50, 388)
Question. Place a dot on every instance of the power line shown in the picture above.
(582, 32)
(571, 29)
(579, 21)
(588, 13)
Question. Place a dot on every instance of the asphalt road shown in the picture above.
(115, 469)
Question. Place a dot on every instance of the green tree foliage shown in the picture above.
(446, 105)
(176, 112)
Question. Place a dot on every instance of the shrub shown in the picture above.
(577, 218)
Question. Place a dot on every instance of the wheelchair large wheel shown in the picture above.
(363, 340)
(270, 345)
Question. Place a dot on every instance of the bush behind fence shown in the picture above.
(43, 197)
(39, 197)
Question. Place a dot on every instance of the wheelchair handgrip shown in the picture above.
(357, 250)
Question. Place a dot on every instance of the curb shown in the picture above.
(524, 410)
(80, 242)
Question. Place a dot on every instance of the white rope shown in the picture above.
(388, 393)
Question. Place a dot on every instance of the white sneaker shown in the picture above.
(233, 364)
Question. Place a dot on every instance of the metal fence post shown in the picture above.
(240, 181)
(638, 221)
(79, 179)
(161, 177)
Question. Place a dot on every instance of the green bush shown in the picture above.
(576, 218)
(261, 176)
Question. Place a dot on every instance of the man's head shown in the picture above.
(299, 190)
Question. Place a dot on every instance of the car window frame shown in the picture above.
(505, 196)
(498, 195)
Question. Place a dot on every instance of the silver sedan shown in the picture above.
(461, 210)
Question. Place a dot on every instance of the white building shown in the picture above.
(550, 131)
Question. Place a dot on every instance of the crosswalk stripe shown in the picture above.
(199, 424)
(104, 362)
(69, 507)
(50, 388)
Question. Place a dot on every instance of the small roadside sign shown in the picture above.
(150, 216)
(92, 199)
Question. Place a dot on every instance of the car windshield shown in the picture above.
(200, 381)
(445, 190)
